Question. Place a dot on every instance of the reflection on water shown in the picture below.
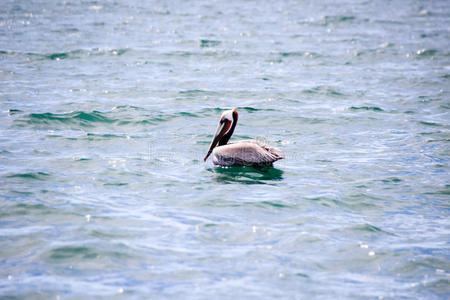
(247, 175)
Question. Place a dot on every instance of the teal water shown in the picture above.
(108, 108)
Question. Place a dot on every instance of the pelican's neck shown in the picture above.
(224, 140)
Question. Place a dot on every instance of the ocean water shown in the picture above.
(107, 109)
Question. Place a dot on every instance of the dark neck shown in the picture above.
(224, 140)
(226, 137)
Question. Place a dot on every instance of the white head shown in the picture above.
(227, 123)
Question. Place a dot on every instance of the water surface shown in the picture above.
(107, 109)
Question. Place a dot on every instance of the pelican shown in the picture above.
(242, 153)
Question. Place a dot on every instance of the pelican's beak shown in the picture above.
(220, 132)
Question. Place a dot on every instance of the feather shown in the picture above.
(246, 153)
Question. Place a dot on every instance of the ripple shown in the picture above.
(57, 56)
(412, 267)
(324, 91)
(300, 54)
(253, 109)
(72, 54)
(34, 176)
(73, 252)
(432, 124)
(209, 43)
(426, 52)
(368, 228)
(80, 118)
(368, 108)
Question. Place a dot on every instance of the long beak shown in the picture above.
(221, 129)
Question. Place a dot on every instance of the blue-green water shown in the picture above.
(107, 109)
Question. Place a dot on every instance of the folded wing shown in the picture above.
(246, 153)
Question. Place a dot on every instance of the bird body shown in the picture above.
(241, 153)
(245, 153)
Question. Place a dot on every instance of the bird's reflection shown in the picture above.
(247, 175)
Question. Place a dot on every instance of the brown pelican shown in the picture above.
(242, 153)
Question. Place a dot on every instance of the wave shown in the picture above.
(337, 19)
(368, 228)
(332, 20)
(368, 108)
(197, 92)
(81, 253)
(323, 91)
(72, 54)
(209, 43)
(80, 117)
(31, 175)
(202, 53)
(300, 54)
(432, 124)
(252, 109)
(426, 52)
(122, 115)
